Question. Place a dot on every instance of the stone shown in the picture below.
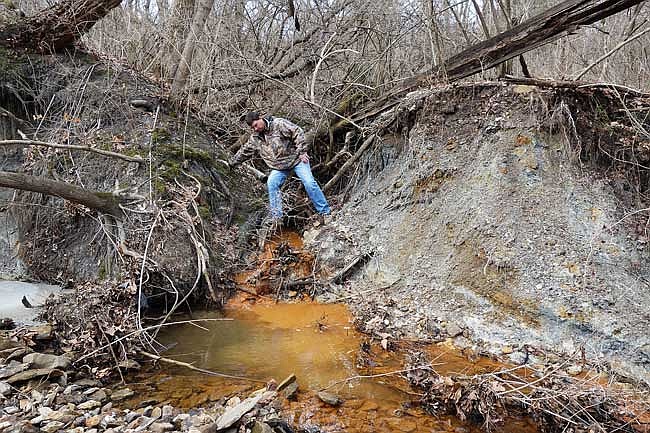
(144, 423)
(107, 407)
(329, 398)
(131, 416)
(71, 388)
(64, 415)
(41, 332)
(99, 395)
(12, 369)
(160, 427)
(156, 413)
(167, 413)
(121, 394)
(261, 427)
(31, 374)
(5, 425)
(45, 411)
(5, 389)
(109, 420)
(44, 360)
(90, 390)
(36, 420)
(88, 405)
(453, 329)
(25, 405)
(289, 392)
(94, 421)
(574, 370)
(180, 418)
(146, 411)
(506, 350)
(286, 382)
(17, 354)
(10, 410)
(52, 427)
(88, 383)
(233, 414)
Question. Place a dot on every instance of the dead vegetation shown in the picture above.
(556, 401)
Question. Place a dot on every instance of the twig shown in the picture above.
(137, 159)
(200, 370)
(372, 376)
(610, 52)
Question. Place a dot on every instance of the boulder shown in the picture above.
(12, 368)
(329, 398)
(44, 360)
(31, 374)
(261, 427)
(5, 389)
(121, 394)
(234, 414)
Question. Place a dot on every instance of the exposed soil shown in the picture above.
(498, 218)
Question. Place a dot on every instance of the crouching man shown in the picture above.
(282, 146)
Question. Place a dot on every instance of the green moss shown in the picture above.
(160, 135)
(102, 271)
(204, 212)
(159, 186)
(348, 103)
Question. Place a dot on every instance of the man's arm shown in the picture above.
(244, 153)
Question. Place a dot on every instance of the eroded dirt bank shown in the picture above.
(511, 218)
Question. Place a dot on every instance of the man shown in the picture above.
(282, 146)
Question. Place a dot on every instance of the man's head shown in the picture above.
(254, 120)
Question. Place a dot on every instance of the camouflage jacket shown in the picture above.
(279, 145)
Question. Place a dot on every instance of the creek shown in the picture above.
(318, 344)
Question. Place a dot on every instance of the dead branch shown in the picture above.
(137, 159)
(610, 52)
(366, 144)
(200, 370)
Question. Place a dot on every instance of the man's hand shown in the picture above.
(304, 157)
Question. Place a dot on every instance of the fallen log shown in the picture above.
(102, 201)
(56, 27)
(539, 30)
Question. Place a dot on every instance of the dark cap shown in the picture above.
(251, 116)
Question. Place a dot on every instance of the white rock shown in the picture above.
(52, 427)
(90, 404)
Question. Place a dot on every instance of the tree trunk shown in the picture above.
(56, 27)
(101, 201)
(183, 70)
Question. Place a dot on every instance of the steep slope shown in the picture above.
(483, 223)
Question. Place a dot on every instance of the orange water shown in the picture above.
(318, 344)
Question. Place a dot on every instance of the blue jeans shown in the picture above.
(303, 171)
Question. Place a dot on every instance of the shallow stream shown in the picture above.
(319, 345)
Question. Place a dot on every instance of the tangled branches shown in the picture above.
(557, 402)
